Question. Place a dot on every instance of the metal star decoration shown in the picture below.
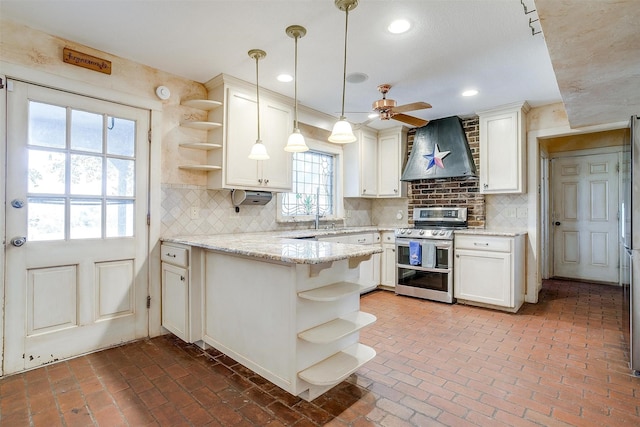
(436, 157)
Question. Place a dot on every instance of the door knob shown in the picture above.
(556, 223)
(18, 241)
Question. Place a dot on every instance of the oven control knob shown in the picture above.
(402, 231)
(408, 231)
(421, 232)
(442, 232)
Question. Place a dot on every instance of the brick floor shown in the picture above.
(561, 362)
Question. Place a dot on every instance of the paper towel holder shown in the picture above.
(246, 197)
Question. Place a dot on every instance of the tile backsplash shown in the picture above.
(506, 211)
(215, 214)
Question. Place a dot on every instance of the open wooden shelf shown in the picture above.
(200, 167)
(202, 104)
(200, 125)
(331, 292)
(337, 328)
(339, 366)
(201, 145)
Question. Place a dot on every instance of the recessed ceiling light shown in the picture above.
(470, 92)
(285, 78)
(357, 77)
(399, 26)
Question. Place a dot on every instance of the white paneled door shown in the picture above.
(77, 185)
(584, 220)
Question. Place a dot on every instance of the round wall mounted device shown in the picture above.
(163, 92)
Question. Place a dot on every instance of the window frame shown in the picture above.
(338, 200)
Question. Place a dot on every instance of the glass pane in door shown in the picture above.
(47, 125)
(86, 131)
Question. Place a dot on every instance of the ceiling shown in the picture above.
(453, 45)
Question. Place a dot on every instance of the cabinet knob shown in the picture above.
(485, 186)
(557, 223)
(364, 191)
(266, 181)
(182, 278)
(395, 190)
(260, 181)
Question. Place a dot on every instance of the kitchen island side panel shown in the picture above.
(253, 313)
(249, 314)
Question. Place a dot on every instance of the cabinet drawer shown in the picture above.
(388, 237)
(174, 255)
(488, 243)
(362, 239)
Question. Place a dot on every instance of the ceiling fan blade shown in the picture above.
(410, 120)
(362, 124)
(411, 107)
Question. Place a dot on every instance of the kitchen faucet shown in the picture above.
(317, 219)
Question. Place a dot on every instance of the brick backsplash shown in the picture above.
(452, 192)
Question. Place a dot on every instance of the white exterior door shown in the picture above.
(584, 220)
(77, 185)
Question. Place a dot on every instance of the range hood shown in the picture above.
(440, 150)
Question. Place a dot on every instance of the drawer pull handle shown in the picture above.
(480, 244)
(171, 255)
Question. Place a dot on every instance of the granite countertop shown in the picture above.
(292, 246)
(503, 232)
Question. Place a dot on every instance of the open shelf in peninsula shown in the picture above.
(339, 366)
(338, 328)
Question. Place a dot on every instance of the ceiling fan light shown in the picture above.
(342, 133)
(259, 151)
(295, 143)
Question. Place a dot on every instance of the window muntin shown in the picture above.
(81, 169)
(313, 186)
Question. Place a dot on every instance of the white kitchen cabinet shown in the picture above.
(388, 261)
(204, 144)
(489, 270)
(373, 164)
(391, 159)
(180, 294)
(503, 149)
(240, 118)
(369, 272)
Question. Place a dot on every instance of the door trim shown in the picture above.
(549, 266)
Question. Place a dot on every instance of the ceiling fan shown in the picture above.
(387, 109)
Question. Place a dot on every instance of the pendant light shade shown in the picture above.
(295, 142)
(342, 132)
(258, 150)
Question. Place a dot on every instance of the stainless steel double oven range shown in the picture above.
(424, 254)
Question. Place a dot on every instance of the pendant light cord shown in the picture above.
(258, 96)
(295, 80)
(344, 71)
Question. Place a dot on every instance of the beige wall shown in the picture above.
(34, 49)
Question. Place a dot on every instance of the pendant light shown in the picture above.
(258, 150)
(342, 132)
(295, 143)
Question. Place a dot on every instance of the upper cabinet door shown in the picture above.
(502, 150)
(277, 124)
(241, 133)
(391, 153)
